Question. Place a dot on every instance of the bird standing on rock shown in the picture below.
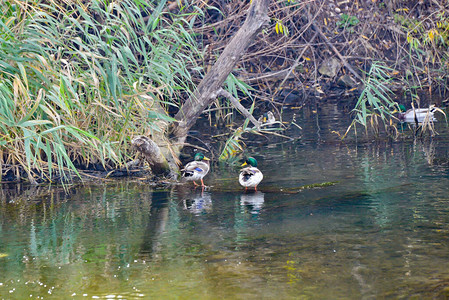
(197, 169)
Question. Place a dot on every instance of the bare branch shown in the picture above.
(235, 102)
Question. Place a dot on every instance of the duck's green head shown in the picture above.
(265, 117)
(200, 156)
(402, 108)
(250, 161)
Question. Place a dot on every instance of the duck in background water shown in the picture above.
(196, 169)
(267, 118)
(417, 115)
(250, 176)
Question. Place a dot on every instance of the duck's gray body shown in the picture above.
(417, 115)
(250, 177)
(197, 169)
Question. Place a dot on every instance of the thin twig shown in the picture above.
(236, 103)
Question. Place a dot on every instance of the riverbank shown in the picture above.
(74, 98)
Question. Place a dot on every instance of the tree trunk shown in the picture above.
(153, 154)
(208, 88)
(206, 92)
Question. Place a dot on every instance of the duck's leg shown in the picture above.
(196, 184)
(202, 183)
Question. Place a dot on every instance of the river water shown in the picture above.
(380, 231)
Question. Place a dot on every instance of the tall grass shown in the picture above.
(78, 79)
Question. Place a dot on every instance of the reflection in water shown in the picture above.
(156, 224)
(253, 201)
(428, 149)
(381, 232)
(198, 201)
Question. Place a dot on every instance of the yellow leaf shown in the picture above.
(277, 27)
(306, 58)
(11, 19)
(433, 33)
(365, 37)
(325, 21)
(409, 38)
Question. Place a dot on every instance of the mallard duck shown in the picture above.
(197, 169)
(416, 115)
(267, 118)
(250, 176)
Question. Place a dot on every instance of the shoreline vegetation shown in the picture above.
(87, 86)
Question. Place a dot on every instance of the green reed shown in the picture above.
(374, 105)
(78, 80)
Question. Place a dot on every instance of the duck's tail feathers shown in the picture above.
(247, 176)
(187, 173)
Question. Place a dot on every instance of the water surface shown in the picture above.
(382, 231)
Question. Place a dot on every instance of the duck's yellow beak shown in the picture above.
(394, 111)
(264, 119)
(205, 158)
(244, 164)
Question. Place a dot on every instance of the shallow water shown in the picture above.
(382, 231)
